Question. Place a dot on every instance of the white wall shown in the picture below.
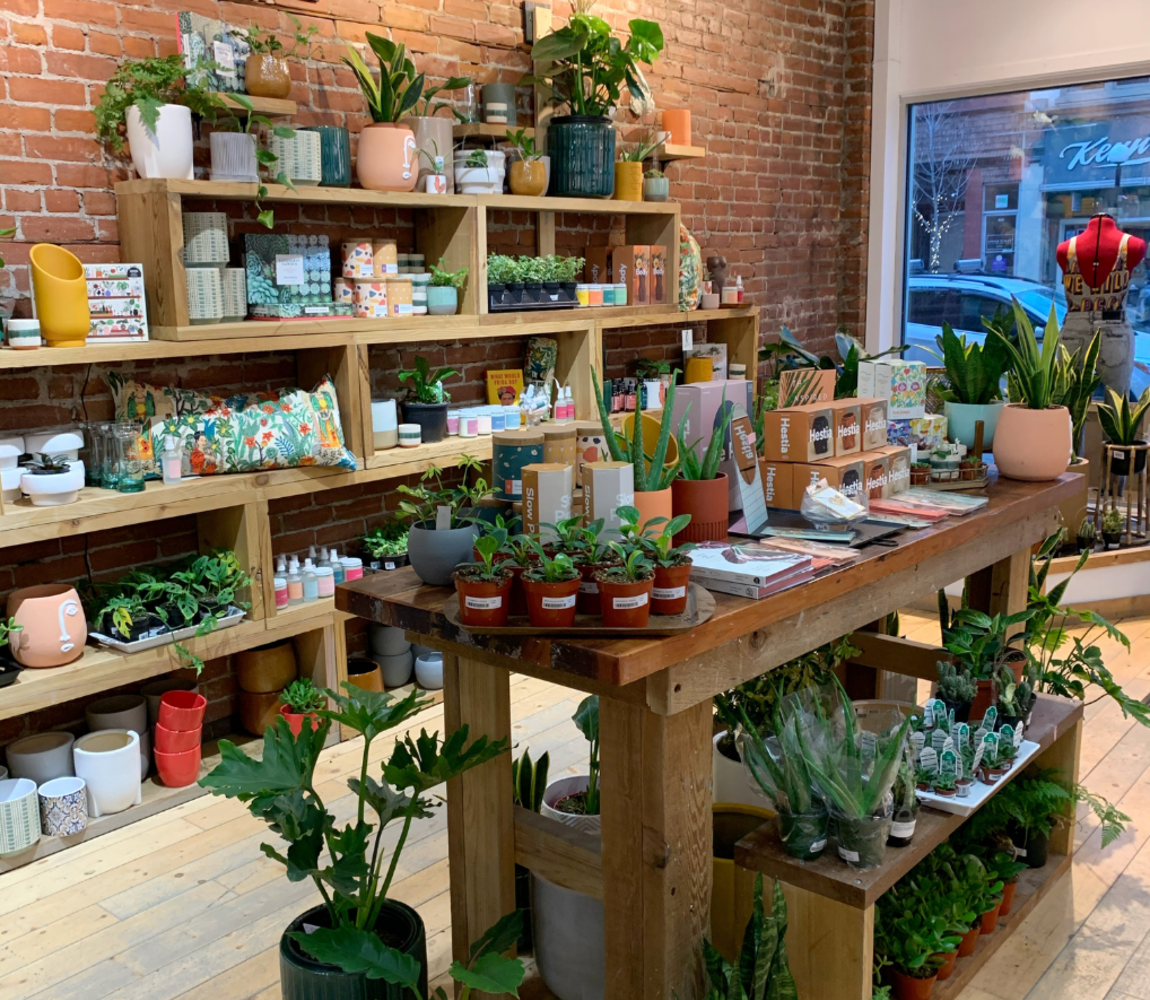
(936, 49)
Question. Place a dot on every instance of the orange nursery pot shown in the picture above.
(669, 593)
(483, 603)
(552, 605)
(178, 770)
(295, 722)
(518, 598)
(990, 918)
(625, 604)
(909, 988)
(969, 940)
(589, 602)
(173, 741)
(949, 959)
(1007, 898)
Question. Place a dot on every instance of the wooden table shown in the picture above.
(656, 727)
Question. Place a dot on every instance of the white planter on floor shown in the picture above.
(396, 670)
(123, 711)
(41, 757)
(166, 152)
(19, 816)
(109, 762)
(731, 784)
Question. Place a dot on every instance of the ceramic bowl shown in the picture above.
(54, 490)
(11, 449)
(19, 816)
(429, 671)
(41, 757)
(63, 807)
(155, 690)
(66, 443)
(182, 710)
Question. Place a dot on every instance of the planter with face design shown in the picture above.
(53, 629)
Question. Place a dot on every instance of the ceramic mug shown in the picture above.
(64, 807)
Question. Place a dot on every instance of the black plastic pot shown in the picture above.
(862, 842)
(1111, 537)
(431, 417)
(9, 668)
(303, 978)
(961, 709)
(1120, 461)
(388, 563)
(804, 835)
(1036, 848)
(582, 151)
(1014, 721)
(902, 827)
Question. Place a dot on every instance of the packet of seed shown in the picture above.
(948, 763)
(928, 760)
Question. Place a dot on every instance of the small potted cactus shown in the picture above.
(656, 186)
(1086, 535)
(1112, 524)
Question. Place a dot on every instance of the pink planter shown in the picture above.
(182, 710)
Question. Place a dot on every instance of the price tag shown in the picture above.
(917, 742)
(948, 763)
(289, 269)
(558, 603)
(668, 593)
(628, 603)
(902, 829)
(483, 603)
(928, 717)
(588, 587)
(928, 760)
(688, 339)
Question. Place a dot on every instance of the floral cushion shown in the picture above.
(690, 270)
(241, 433)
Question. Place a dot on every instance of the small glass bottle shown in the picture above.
(173, 458)
(281, 565)
(294, 582)
(281, 587)
(739, 287)
(310, 584)
(336, 566)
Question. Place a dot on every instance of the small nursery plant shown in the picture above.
(388, 539)
(266, 42)
(426, 386)
(441, 277)
(486, 569)
(301, 697)
(955, 686)
(550, 569)
(529, 780)
(524, 143)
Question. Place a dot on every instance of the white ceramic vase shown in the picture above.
(109, 763)
(730, 782)
(123, 711)
(19, 816)
(429, 671)
(167, 151)
(41, 757)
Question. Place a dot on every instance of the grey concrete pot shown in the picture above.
(435, 554)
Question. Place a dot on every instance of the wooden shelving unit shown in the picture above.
(272, 107)
(667, 152)
(487, 130)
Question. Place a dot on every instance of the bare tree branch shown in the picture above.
(941, 172)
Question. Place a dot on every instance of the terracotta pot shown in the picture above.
(656, 503)
(551, 605)
(1032, 445)
(258, 711)
(628, 180)
(518, 598)
(528, 177)
(266, 75)
(969, 940)
(387, 159)
(909, 988)
(172, 741)
(178, 770)
(182, 710)
(483, 603)
(989, 920)
(295, 722)
(706, 500)
(1007, 898)
(986, 696)
(53, 627)
(625, 605)
(949, 959)
(669, 593)
(364, 673)
(677, 121)
(266, 668)
(588, 602)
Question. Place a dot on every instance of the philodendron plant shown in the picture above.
(349, 862)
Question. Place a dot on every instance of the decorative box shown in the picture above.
(205, 238)
(848, 421)
(116, 302)
(876, 465)
(235, 289)
(778, 482)
(607, 486)
(874, 423)
(289, 276)
(204, 38)
(844, 473)
(901, 383)
(798, 434)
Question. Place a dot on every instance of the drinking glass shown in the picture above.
(129, 463)
(107, 451)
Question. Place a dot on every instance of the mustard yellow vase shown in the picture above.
(699, 370)
(628, 180)
(528, 177)
(732, 886)
(61, 295)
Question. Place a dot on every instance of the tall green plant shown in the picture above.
(529, 780)
(651, 471)
(690, 465)
(586, 718)
(399, 88)
(1079, 378)
(973, 371)
(1035, 368)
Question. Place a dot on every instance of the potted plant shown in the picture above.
(434, 176)
(529, 173)
(357, 933)
(1016, 697)
(1121, 424)
(266, 72)
(52, 481)
(763, 969)
(551, 586)
(910, 939)
(981, 645)
(1086, 535)
(590, 555)
(905, 804)
(1077, 381)
(528, 783)
(484, 587)
(443, 290)
(427, 399)
(442, 531)
(970, 388)
(1006, 869)
(9, 668)
(957, 689)
(584, 67)
(944, 784)
(434, 131)
(150, 102)
(1113, 524)
(1032, 440)
(653, 475)
(301, 700)
(700, 490)
(236, 158)
(625, 589)
(920, 473)
(387, 158)
(656, 185)
(629, 170)
(386, 544)
(672, 562)
(479, 171)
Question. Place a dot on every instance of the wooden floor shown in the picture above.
(183, 904)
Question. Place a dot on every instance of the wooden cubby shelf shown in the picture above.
(273, 107)
(668, 152)
(488, 130)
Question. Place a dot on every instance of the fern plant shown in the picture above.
(1120, 421)
(973, 371)
(651, 471)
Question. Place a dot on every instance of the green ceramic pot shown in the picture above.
(442, 300)
(582, 151)
(961, 417)
(335, 154)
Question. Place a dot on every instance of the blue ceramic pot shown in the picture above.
(961, 417)
(335, 154)
(442, 300)
(582, 151)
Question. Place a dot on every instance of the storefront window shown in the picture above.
(995, 183)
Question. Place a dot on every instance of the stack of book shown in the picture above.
(749, 571)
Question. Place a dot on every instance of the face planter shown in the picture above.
(53, 630)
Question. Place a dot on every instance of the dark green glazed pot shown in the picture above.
(335, 154)
(582, 151)
(303, 978)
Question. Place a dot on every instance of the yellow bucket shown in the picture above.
(732, 893)
(61, 295)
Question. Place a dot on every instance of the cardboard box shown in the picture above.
(798, 434)
(821, 390)
(547, 488)
(631, 265)
(898, 469)
(901, 383)
(873, 420)
(844, 473)
(875, 467)
(607, 486)
(778, 482)
(657, 282)
(848, 426)
(802, 476)
(597, 265)
(704, 400)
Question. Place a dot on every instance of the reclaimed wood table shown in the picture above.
(653, 864)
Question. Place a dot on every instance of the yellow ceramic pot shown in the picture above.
(528, 177)
(699, 370)
(628, 180)
(652, 424)
(387, 159)
(266, 75)
(61, 296)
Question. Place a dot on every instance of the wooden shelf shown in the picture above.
(601, 206)
(243, 191)
(488, 130)
(612, 319)
(294, 614)
(445, 454)
(667, 152)
(273, 107)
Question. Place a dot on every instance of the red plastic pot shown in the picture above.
(1007, 898)
(949, 958)
(706, 500)
(589, 601)
(989, 920)
(182, 710)
(669, 593)
(625, 605)
(969, 940)
(295, 722)
(177, 770)
(483, 603)
(909, 988)
(551, 605)
(176, 740)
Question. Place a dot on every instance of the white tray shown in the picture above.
(979, 791)
(162, 638)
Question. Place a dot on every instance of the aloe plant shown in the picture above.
(973, 371)
(650, 477)
(690, 465)
(1120, 421)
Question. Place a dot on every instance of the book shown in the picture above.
(504, 387)
(744, 564)
(752, 591)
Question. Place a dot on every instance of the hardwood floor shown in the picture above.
(184, 905)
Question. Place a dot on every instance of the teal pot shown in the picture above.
(656, 188)
(435, 554)
(582, 151)
(961, 417)
(303, 978)
(442, 300)
(335, 154)
(431, 417)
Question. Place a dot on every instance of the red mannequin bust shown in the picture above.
(1098, 250)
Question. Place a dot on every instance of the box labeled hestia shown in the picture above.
(898, 469)
(597, 265)
(631, 266)
(848, 426)
(803, 475)
(875, 466)
(778, 481)
(901, 383)
(547, 488)
(607, 486)
(844, 473)
(799, 433)
(818, 385)
(287, 276)
(873, 420)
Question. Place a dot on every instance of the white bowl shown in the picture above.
(429, 671)
(11, 448)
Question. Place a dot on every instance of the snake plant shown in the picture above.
(651, 471)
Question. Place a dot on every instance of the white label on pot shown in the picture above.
(588, 587)
(818, 845)
(627, 603)
(558, 603)
(310, 928)
(1020, 852)
(225, 57)
(902, 829)
(848, 855)
(404, 309)
(668, 593)
(483, 603)
(289, 268)
(442, 518)
(389, 565)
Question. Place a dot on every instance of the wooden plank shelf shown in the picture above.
(599, 206)
(612, 319)
(488, 130)
(445, 453)
(272, 107)
(302, 194)
(668, 152)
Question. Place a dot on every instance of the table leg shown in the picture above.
(480, 821)
(656, 842)
(830, 946)
(1002, 587)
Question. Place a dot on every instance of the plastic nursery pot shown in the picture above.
(961, 710)
(364, 673)
(706, 500)
(988, 922)
(518, 597)
(948, 959)
(182, 710)
(624, 604)
(551, 605)
(862, 841)
(1035, 850)
(910, 988)
(969, 940)
(295, 722)
(178, 770)
(175, 741)
(962, 787)
(669, 594)
(589, 601)
(804, 835)
(1007, 898)
(986, 696)
(483, 603)
(902, 827)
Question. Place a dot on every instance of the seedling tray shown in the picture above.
(162, 637)
(979, 791)
(700, 607)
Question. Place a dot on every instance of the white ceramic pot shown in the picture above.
(64, 807)
(19, 816)
(387, 640)
(10, 484)
(59, 444)
(54, 490)
(480, 180)
(155, 690)
(560, 788)
(234, 157)
(166, 152)
(429, 671)
(731, 783)
(123, 711)
(435, 184)
(11, 449)
(41, 757)
(396, 669)
(109, 763)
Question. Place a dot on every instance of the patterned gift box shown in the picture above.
(235, 289)
(205, 295)
(116, 302)
(287, 276)
(901, 383)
